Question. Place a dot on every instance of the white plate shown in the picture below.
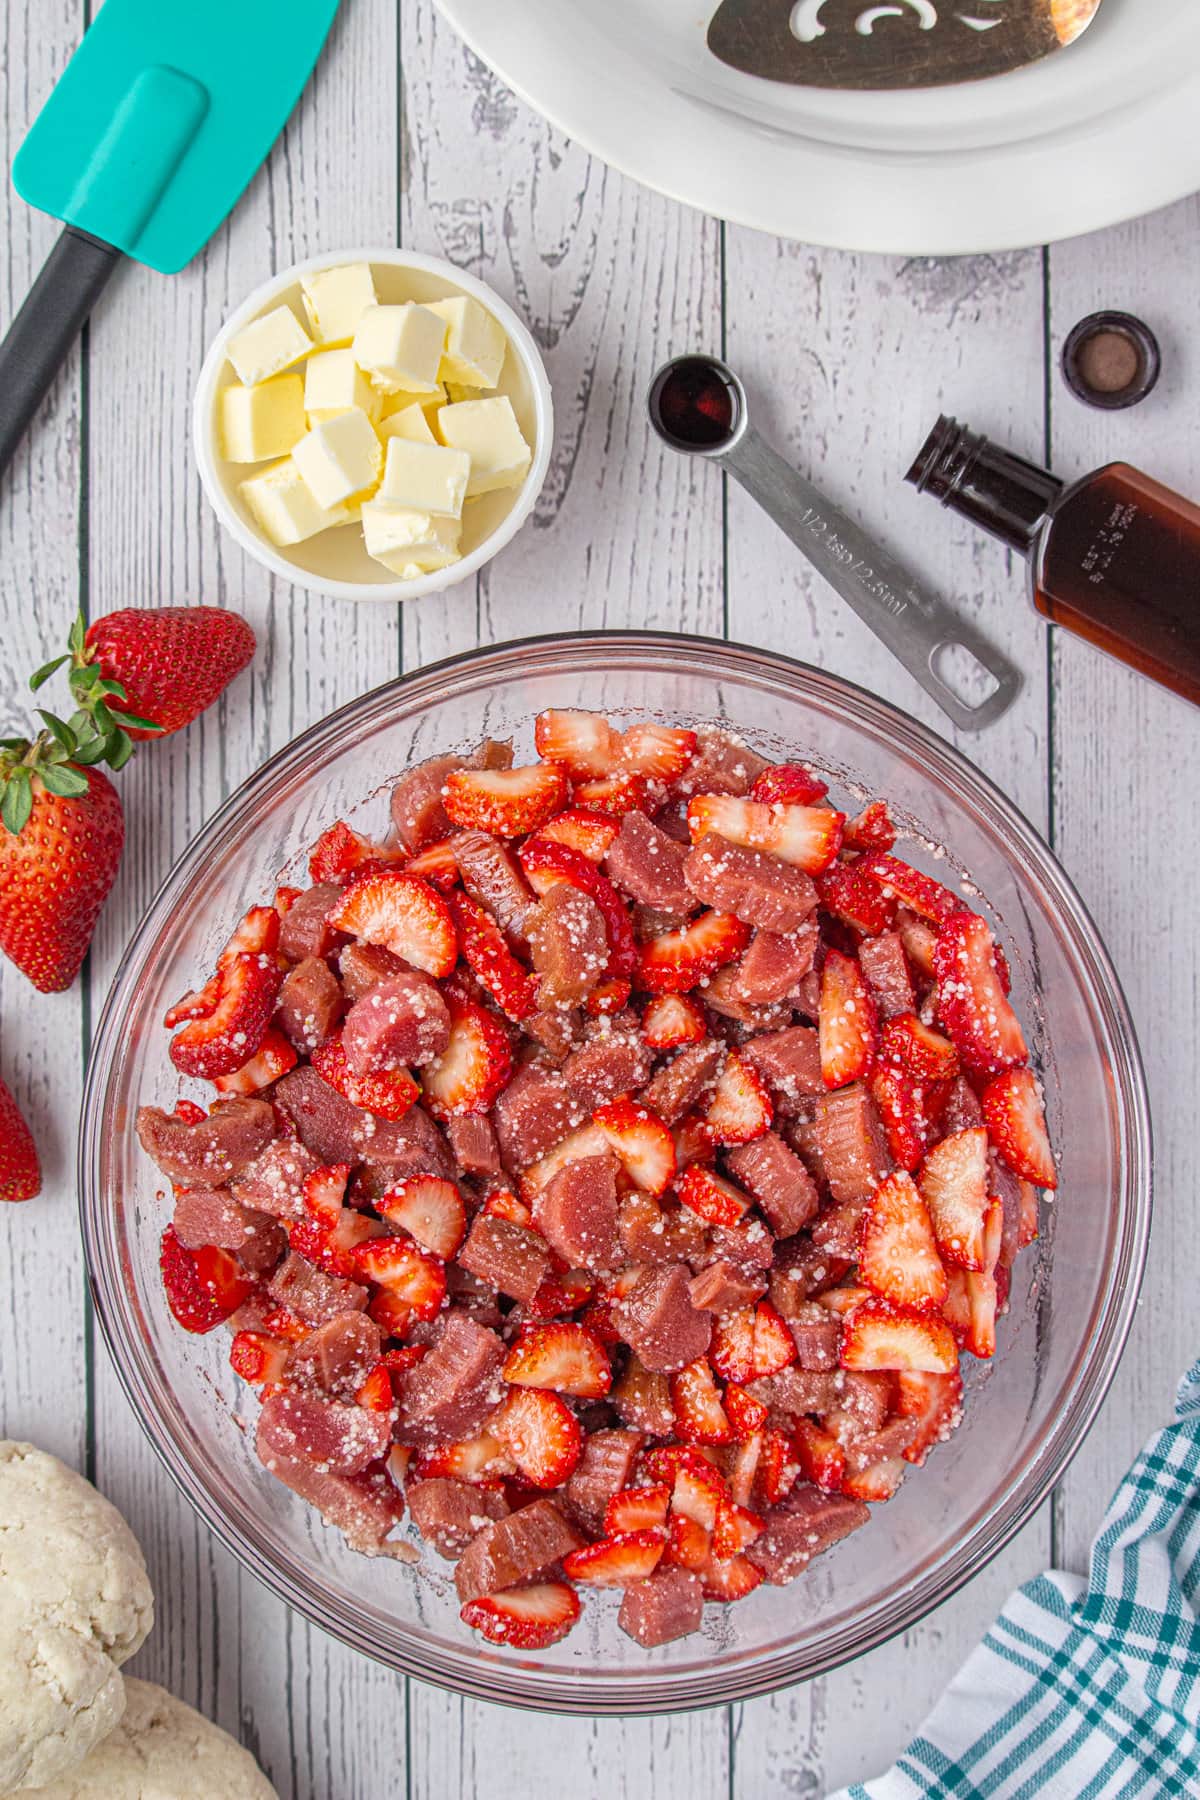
(1098, 132)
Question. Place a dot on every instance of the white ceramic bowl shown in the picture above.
(336, 562)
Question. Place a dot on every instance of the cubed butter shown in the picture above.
(336, 299)
(400, 401)
(426, 477)
(283, 505)
(475, 343)
(268, 345)
(333, 383)
(488, 432)
(410, 422)
(404, 539)
(401, 347)
(262, 421)
(340, 457)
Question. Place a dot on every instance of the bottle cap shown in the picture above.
(1111, 360)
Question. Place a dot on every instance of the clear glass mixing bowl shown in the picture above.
(1074, 1293)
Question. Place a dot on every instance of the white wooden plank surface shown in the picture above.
(612, 280)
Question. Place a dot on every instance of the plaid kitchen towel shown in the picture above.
(1085, 1689)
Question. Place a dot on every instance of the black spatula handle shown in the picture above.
(42, 333)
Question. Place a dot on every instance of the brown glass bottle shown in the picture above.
(1114, 558)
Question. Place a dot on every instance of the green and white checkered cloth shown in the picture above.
(1085, 1690)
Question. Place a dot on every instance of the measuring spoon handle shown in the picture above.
(915, 624)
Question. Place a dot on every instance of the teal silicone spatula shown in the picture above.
(156, 126)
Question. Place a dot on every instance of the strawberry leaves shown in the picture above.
(94, 733)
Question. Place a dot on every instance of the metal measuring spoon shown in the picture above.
(698, 406)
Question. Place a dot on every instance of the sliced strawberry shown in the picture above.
(616, 1561)
(744, 1459)
(584, 742)
(665, 1462)
(746, 1414)
(589, 1140)
(846, 1022)
(223, 1040)
(202, 1286)
(971, 1003)
(486, 953)
(637, 1509)
(641, 1142)
(528, 1618)
(505, 802)
(749, 1343)
(258, 1357)
(325, 1192)
(656, 752)
(974, 1297)
(541, 1434)
(611, 996)
(808, 836)
(842, 1300)
(788, 784)
(589, 834)
(919, 939)
(822, 1458)
(412, 1283)
(563, 1357)
(404, 914)
(502, 1203)
(341, 852)
(477, 1461)
(774, 1345)
(729, 1580)
(778, 1468)
(697, 1493)
(736, 1527)
(278, 1322)
(933, 1403)
(375, 1394)
(877, 1482)
(919, 892)
(693, 1142)
(430, 1208)
(546, 863)
(679, 961)
(405, 1358)
(273, 1058)
(740, 1109)
(1012, 1106)
(1027, 1228)
(712, 1197)
(878, 1335)
(689, 1545)
(907, 1043)
(673, 1019)
(387, 1093)
(901, 1107)
(189, 1112)
(871, 829)
(899, 1255)
(699, 1415)
(954, 1186)
(285, 899)
(436, 864)
(329, 1246)
(612, 794)
(559, 1295)
(472, 1069)
(853, 897)
(257, 934)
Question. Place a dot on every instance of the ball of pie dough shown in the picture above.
(75, 1603)
(161, 1750)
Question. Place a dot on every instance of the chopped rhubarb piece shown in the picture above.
(1012, 1107)
(760, 889)
(547, 863)
(669, 1604)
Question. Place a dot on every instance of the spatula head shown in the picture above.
(163, 115)
(898, 44)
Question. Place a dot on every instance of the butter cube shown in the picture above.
(400, 401)
(336, 299)
(333, 383)
(475, 343)
(425, 477)
(282, 504)
(408, 541)
(410, 422)
(488, 432)
(340, 457)
(268, 345)
(258, 422)
(401, 347)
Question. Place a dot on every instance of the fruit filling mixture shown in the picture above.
(610, 1168)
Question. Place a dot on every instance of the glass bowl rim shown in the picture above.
(598, 1694)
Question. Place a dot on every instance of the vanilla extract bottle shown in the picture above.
(1115, 558)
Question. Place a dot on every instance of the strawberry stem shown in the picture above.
(98, 734)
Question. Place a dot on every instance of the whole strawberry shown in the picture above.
(20, 1172)
(63, 831)
(147, 671)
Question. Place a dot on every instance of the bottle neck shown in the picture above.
(1003, 493)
